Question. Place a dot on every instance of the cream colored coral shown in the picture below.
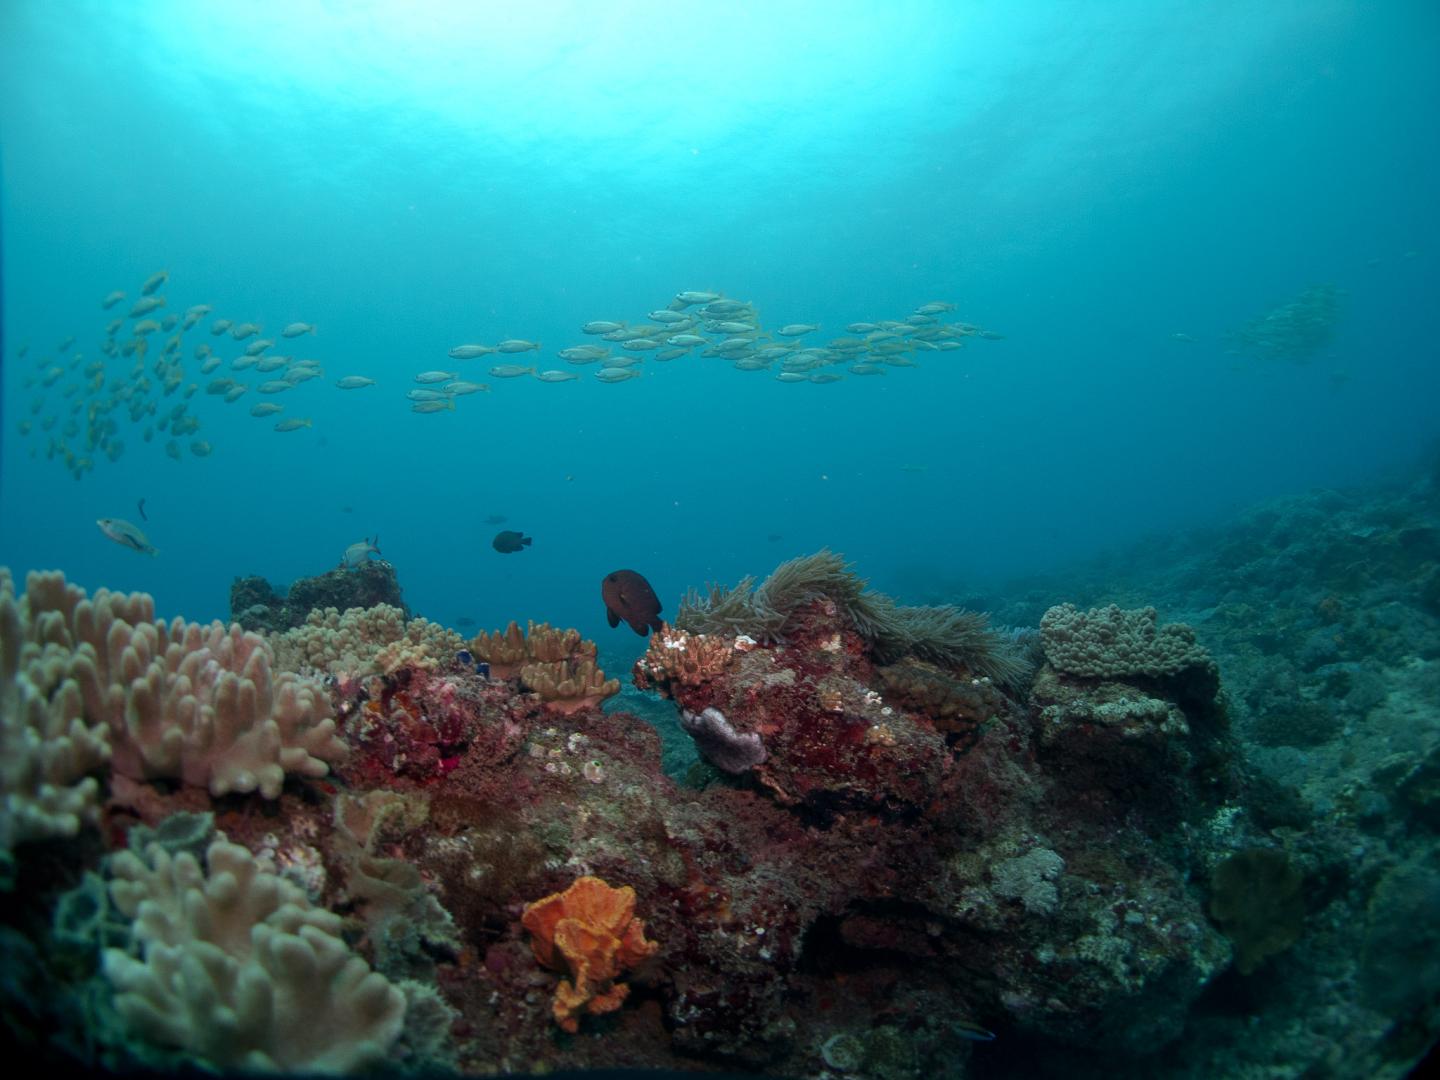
(207, 709)
(178, 700)
(47, 746)
(364, 641)
(232, 964)
(1111, 643)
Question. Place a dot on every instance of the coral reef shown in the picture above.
(558, 665)
(894, 863)
(256, 604)
(770, 613)
(589, 930)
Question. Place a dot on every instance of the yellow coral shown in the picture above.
(509, 650)
(568, 685)
(589, 930)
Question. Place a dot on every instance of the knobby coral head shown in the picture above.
(590, 930)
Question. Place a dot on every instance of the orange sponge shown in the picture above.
(590, 930)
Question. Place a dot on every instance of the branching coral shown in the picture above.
(589, 930)
(674, 656)
(231, 964)
(944, 634)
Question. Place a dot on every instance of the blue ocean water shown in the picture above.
(1089, 181)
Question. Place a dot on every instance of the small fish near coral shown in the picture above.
(628, 596)
(126, 535)
(508, 541)
(358, 552)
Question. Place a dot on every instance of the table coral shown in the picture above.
(589, 930)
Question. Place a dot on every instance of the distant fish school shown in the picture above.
(137, 380)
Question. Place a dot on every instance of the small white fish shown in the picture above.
(601, 326)
(235, 393)
(510, 371)
(275, 386)
(665, 315)
(612, 374)
(126, 535)
(112, 299)
(514, 345)
(244, 330)
(427, 395)
(293, 424)
(796, 329)
(154, 281)
(685, 340)
(255, 348)
(435, 376)
(556, 376)
(359, 552)
(696, 296)
(265, 408)
(199, 310)
(463, 387)
(296, 329)
(219, 326)
(470, 352)
(448, 405)
(354, 382)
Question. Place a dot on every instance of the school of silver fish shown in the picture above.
(142, 359)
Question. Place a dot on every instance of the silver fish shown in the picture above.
(470, 352)
(126, 534)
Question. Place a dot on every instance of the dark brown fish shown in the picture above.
(628, 596)
(508, 541)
